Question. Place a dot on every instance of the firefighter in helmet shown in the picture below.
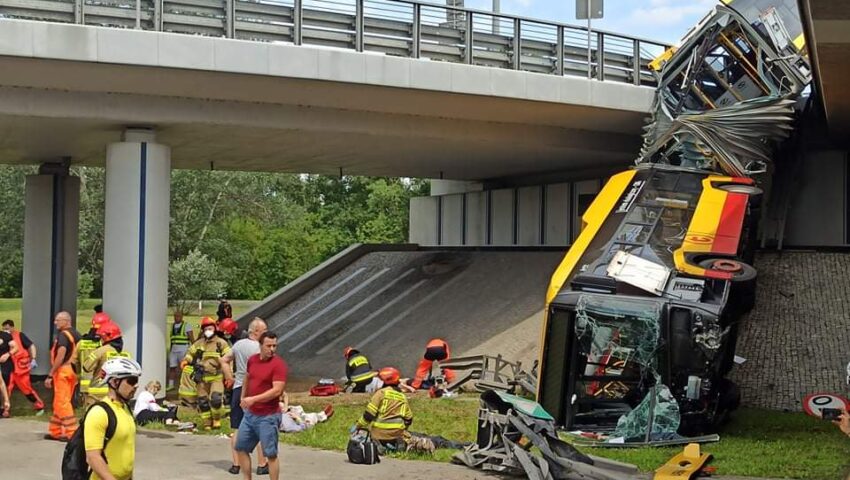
(210, 374)
(357, 370)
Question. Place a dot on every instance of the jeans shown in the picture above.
(258, 429)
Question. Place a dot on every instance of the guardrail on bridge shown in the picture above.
(405, 28)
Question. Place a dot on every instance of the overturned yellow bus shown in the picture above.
(612, 338)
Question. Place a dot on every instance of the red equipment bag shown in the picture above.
(320, 390)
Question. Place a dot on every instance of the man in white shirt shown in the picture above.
(239, 354)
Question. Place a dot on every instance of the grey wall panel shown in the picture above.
(502, 217)
(476, 218)
(452, 220)
(557, 214)
(423, 220)
(583, 194)
(818, 215)
(529, 215)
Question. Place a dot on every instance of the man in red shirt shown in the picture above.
(262, 387)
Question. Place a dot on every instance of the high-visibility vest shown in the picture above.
(98, 386)
(390, 412)
(178, 334)
(358, 369)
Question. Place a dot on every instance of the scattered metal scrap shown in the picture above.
(509, 426)
(487, 372)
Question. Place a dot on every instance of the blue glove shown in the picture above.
(352, 429)
(33, 364)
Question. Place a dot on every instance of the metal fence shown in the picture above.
(402, 28)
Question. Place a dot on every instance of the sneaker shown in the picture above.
(329, 410)
(263, 470)
(234, 469)
(39, 412)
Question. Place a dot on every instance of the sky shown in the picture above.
(663, 20)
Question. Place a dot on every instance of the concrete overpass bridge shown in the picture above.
(369, 87)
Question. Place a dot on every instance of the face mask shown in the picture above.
(209, 333)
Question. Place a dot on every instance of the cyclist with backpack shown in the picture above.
(105, 447)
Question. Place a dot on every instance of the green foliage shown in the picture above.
(261, 230)
(85, 284)
(192, 277)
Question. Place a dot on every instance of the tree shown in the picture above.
(190, 278)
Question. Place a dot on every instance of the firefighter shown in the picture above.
(112, 346)
(187, 391)
(227, 330)
(357, 370)
(436, 350)
(88, 344)
(388, 417)
(210, 375)
(62, 379)
(23, 353)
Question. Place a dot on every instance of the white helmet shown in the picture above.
(121, 368)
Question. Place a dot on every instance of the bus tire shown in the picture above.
(741, 272)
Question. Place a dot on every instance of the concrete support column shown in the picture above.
(51, 245)
(135, 259)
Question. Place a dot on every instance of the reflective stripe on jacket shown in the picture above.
(387, 415)
(357, 369)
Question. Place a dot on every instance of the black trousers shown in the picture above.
(148, 416)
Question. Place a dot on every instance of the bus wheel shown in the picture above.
(741, 272)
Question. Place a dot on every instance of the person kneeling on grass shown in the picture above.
(388, 417)
(148, 410)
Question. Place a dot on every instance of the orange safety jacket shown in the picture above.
(21, 358)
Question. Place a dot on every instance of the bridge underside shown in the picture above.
(56, 108)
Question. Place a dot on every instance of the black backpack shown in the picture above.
(74, 464)
(363, 451)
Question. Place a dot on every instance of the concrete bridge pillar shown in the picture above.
(51, 241)
(135, 259)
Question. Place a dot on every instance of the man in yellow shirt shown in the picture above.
(113, 458)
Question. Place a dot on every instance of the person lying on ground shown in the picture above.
(294, 419)
(148, 410)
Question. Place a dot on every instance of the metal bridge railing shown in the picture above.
(405, 28)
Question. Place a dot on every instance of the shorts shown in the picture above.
(258, 429)
(236, 412)
(175, 356)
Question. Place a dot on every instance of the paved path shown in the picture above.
(24, 454)
(169, 456)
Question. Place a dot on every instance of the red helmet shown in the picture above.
(99, 320)
(207, 322)
(389, 375)
(347, 351)
(108, 332)
(228, 326)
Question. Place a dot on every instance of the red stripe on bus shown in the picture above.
(729, 227)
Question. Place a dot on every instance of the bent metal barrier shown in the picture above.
(402, 28)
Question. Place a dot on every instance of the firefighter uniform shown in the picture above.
(436, 350)
(84, 349)
(387, 416)
(210, 383)
(187, 392)
(358, 371)
(63, 423)
(22, 363)
(91, 367)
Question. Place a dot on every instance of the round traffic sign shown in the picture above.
(813, 403)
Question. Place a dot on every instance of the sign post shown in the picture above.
(589, 9)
